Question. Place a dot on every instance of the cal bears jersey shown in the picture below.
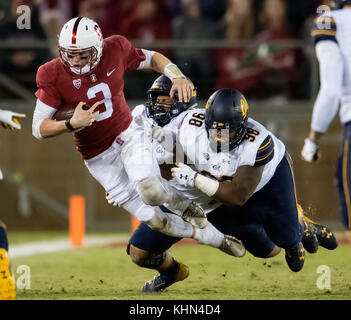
(259, 147)
(331, 33)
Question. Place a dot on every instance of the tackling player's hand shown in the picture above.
(310, 151)
(84, 118)
(9, 119)
(184, 175)
(183, 87)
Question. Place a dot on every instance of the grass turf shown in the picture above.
(105, 273)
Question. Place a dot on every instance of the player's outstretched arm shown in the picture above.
(9, 119)
(181, 84)
(233, 193)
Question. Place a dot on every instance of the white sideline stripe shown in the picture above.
(49, 246)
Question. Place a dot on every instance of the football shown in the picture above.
(66, 111)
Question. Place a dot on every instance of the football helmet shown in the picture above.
(81, 35)
(226, 119)
(162, 115)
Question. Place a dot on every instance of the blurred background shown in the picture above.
(260, 47)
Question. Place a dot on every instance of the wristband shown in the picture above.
(68, 125)
(206, 185)
(172, 71)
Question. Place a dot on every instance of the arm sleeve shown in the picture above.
(42, 111)
(146, 64)
(324, 28)
(331, 75)
(265, 152)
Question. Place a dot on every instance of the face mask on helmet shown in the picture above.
(86, 61)
(226, 119)
(222, 138)
(80, 45)
(160, 106)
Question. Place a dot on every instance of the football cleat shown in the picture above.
(295, 257)
(325, 236)
(7, 281)
(232, 246)
(195, 215)
(309, 238)
(163, 281)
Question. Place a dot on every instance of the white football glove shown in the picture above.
(184, 175)
(310, 151)
(8, 119)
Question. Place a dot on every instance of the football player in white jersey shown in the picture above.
(237, 162)
(148, 248)
(331, 35)
(8, 119)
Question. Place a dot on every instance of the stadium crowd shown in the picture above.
(251, 60)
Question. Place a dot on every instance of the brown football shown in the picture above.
(66, 111)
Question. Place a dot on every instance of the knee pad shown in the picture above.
(152, 191)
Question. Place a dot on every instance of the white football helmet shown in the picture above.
(80, 35)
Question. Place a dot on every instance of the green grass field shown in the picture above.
(106, 273)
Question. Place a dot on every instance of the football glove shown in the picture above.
(9, 119)
(310, 151)
(184, 175)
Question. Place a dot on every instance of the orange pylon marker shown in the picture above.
(135, 223)
(77, 220)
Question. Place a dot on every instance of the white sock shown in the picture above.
(172, 224)
(209, 236)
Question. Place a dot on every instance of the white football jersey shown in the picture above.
(259, 147)
(331, 34)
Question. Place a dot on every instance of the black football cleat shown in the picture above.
(295, 257)
(163, 281)
(325, 236)
(309, 239)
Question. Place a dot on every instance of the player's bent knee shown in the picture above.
(157, 223)
(145, 258)
(151, 191)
